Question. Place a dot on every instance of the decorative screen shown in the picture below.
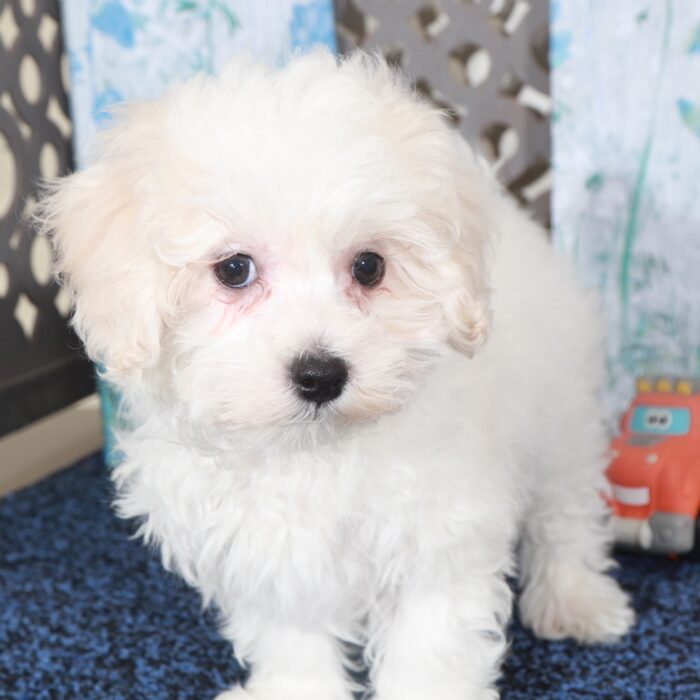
(40, 367)
(484, 62)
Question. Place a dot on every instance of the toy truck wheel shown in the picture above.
(672, 533)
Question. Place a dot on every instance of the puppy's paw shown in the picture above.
(435, 691)
(488, 694)
(240, 693)
(583, 604)
(237, 693)
(291, 690)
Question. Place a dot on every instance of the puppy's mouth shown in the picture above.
(310, 412)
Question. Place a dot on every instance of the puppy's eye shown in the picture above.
(368, 268)
(237, 271)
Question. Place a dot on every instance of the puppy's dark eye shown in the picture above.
(236, 271)
(368, 268)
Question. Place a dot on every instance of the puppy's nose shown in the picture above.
(319, 378)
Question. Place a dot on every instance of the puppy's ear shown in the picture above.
(468, 313)
(105, 259)
(467, 307)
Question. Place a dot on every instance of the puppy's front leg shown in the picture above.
(288, 663)
(446, 640)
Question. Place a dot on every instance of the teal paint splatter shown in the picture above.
(595, 182)
(631, 231)
(312, 24)
(210, 12)
(113, 419)
(228, 15)
(690, 114)
(101, 104)
(554, 11)
(559, 48)
(694, 45)
(560, 111)
(114, 20)
(631, 226)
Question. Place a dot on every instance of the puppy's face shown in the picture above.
(272, 251)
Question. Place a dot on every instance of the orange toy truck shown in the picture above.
(655, 469)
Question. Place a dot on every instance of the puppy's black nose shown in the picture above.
(319, 378)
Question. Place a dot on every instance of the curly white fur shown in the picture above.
(390, 517)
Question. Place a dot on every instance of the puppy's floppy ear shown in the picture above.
(467, 312)
(457, 196)
(104, 256)
(467, 306)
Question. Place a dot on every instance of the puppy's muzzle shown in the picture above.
(318, 378)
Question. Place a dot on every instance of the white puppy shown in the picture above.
(290, 276)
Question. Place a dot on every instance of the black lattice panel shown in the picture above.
(40, 370)
(484, 62)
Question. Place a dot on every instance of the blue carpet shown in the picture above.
(86, 613)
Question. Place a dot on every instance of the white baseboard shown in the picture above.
(52, 443)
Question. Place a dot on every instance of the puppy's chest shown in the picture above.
(314, 526)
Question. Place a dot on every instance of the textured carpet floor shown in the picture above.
(86, 613)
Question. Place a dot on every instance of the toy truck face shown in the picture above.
(655, 469)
